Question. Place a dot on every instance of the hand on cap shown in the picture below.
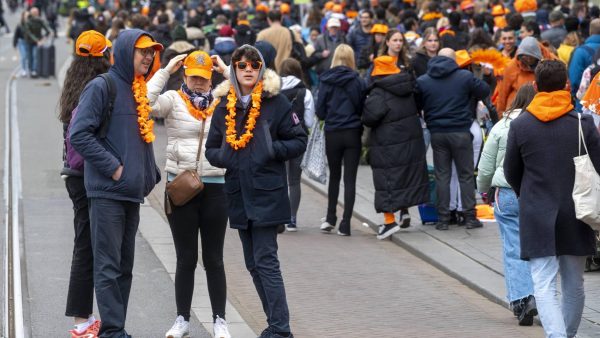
(175, 63)
(218, 64)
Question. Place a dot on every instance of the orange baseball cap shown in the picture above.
(337, 8)
(145, 41)
(463, 58)
(379, 28)
(262, 8)
(91, 43)
(198, 63)
(466, 4)
(385, 65)
(329, 5)
(284, 9)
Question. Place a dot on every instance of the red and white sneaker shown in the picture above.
(90, 332)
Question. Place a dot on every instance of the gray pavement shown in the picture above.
(474, 257)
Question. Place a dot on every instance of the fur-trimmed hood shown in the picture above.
(271, 85)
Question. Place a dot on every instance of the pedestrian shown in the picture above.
(185, 112)
(371, 50)
(583, 56)
(278, 36)
(294, 88)
(449, 118)
(179, 46)
(396, 148)
(360, 36)
(430, 46)
(326, 43)
(35, 37)
(120, 170)
(340, 104)
(92, 58)
(20, 42)
(252, 134)
(491, 181)
(552, 238)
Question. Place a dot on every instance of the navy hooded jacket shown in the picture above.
(341, 97)
(445, 94)
(123, 144)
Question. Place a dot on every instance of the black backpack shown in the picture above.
(296, 96)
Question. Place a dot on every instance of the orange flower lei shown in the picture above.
(231, 134)
(195, 112)
(145, 123)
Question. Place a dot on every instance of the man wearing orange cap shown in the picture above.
(359, 37)
(119, 170)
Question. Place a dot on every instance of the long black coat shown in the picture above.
(255, 180)
(539, 166)
(397, 149)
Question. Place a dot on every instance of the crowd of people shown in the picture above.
(240, 85)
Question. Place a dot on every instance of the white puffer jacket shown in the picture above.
(183, 129)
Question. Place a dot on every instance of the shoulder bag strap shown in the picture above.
(581, 137)
(200, 143)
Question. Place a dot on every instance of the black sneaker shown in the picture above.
(460, 218)
(529, 311)
(442, 226)
(280, 228)
(291, 227)
(386, 230)
(266, 333)
(473, 223)
(404, 219)
(453, 217)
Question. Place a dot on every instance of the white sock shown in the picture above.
(82, 327)
(92, 319)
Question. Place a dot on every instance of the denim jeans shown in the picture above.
(517, 275)
(23, 55)
(32, 56)
(559, 321)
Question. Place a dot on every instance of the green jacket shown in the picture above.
(491, 171)
(34, 26)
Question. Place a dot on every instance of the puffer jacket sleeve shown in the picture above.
(292, 139)
(375, 109)
(87, 121)
(487, 162)
(161, 105)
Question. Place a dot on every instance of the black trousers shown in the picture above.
(446, 148)
(205, 214)
(80, 297)
(342, 146)
(114, 225)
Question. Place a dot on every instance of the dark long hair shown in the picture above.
(522, 99)
(82, 70)
(403, 58)
(292, 67)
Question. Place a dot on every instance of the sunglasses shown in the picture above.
(147, 52)
(253, 64)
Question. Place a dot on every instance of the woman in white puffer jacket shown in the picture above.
(183, 111)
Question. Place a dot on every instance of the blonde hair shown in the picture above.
(343, 56)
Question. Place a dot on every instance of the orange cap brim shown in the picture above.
(146, 42)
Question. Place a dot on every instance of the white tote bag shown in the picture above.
(586, 190)
(314, 162)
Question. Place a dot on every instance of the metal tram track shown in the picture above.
(13, 324)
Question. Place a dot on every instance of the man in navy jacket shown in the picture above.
(444, 94)
(119, 172)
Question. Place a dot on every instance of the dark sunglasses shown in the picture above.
(243, 64)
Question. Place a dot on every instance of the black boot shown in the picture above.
(529, 311)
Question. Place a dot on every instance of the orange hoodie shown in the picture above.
(550, 106)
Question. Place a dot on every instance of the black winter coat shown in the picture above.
(539, 166)
(255, 180)
(397, 150)
(340, 99)
(419, 64)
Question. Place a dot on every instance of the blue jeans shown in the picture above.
(557, 322)
(32, 56)
(516, 271)
(23, 55)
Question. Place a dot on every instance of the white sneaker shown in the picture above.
(180, 329)
(327, 227)
(220, 328)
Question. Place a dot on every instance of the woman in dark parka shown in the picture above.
(397, 151)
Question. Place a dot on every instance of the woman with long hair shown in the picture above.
(339, 103)
(20, 43)
(430, 46)
(395, 45)
(186, 111)
(293, 86)
(90, 60)
(519, 285)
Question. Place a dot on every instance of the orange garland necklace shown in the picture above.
(195, 112)
(231, 133)
(145, 123)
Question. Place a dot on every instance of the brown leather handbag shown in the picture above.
(188, 183)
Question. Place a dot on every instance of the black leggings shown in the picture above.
(206, 213)
(342, 145)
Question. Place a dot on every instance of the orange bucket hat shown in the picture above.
(385, 65)
(91, 43)
(262, 8)
(145, 41)
(379, 28)
(198, 63)
(463, 58)
(284, 8)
